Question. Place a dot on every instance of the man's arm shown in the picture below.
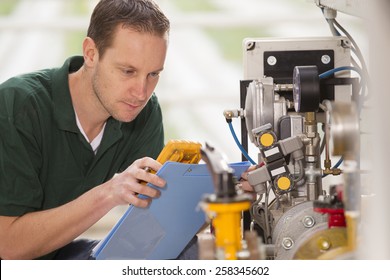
(38, 233)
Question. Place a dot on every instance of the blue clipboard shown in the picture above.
(162, 230)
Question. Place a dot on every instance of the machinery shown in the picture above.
(224, 209)
(301, 102)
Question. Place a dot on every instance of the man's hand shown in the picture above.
(125, 186)
(244, 184)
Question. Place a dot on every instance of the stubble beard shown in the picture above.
(105, 104)
(99, 96)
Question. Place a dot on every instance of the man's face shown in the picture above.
(127, 74)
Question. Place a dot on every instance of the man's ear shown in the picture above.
(90, 52)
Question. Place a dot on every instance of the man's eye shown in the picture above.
(128, 72)
(154, 74)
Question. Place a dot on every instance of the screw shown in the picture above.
(250, 46)
(324, 243)
(287, 243)
(325, 59)
(271, 60)
(308, 221)
(287, 219)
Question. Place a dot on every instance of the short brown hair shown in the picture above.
(140, 15)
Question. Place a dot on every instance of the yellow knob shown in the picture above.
(283, 183)
(267, 139)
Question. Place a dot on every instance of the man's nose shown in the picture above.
(140, 89)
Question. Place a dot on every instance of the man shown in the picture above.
(75, 141)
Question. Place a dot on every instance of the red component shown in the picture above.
(260, 164)
(339, 192)
(336, 216)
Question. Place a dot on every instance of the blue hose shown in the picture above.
(239, 144)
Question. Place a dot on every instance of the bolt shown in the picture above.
(250, 46)
(325, 59)
(287, 219)
(287, 243)
(308, 221)
(271, 60)
(324, 243)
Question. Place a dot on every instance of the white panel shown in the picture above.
(254, 62)
(351, 7)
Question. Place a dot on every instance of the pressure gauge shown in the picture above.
(306, 89)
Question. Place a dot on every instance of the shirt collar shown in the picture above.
(63, 109)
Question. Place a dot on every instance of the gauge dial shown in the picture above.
(306, 89)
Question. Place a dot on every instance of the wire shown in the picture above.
(338, 69)
(356, 47)
(268, 237)
(363, 70)
(322, 146)
(356, 50)
(239, 144)
(362, 81)
(333, 23)
(333, 29)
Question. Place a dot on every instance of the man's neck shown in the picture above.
(84, 99)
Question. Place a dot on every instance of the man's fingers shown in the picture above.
(139, 202)
(148, 164)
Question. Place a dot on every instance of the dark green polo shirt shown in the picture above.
(45, 161)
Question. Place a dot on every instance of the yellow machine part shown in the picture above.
(352, 224)
(267, 140)
(227, 225)
(283, 183)
(321, 243)
(349, 246)
(180, 151)
(330, 244)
